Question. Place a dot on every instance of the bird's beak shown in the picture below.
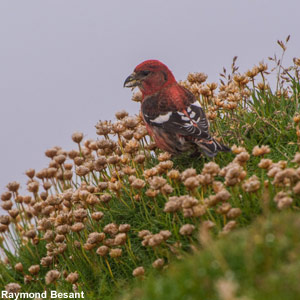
(131, 81)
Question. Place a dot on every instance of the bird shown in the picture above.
(172, 114)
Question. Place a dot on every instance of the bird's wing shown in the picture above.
(189, 122)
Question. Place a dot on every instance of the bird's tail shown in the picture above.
(212, 147)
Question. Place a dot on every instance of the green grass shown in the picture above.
(259, 262)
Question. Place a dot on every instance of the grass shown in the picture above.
(57, 226)
(259, 262)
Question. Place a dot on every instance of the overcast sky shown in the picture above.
(63, 62)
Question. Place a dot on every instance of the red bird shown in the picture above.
(173, 116)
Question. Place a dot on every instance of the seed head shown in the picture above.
(192, 183)
(242, 158)
(157, 182)
(19, 267)
(95, 237)
(152, 193)
(164, 156)
(60, 159)
(283, 200)
(296, 158)
(103, 127)
(13, 213)
(33, 187)
(30, 173)
(186, 229)
(172, 206)
(72, 277)
(73, 153)
(139, 271)
(259, 151)
(77, 137)
(6, 196)
(121, 114)
(188, 202)
(224, 208)
(13, 186)
(62, 229)
(102, 250)
(165, 234)
(211, 168)
(77, 227)
(138, 184)
(265, 163)
(158, 264)
(97, 215)
(137, 97)
(174, 174)
(34, 269)
(234, 213)
(49, 236)
(166, 189)
(140, 158)
(120, 239)
(155, 240)
(130, 122)
(187, 212)
(46, 261)
(7, 205)
(237, 150)
(52, 276)
(199, 210)
(131, 146)
(144, 233)
(51, 152)
(13, 288)
(296, 188)
(102, 186)
(124, 228)
(196, 78)
(252, 184)
(229, 226)
(116, 252)
(111, 229)
(188, 173)
(105, 198)
(128, 134)
(5, 220)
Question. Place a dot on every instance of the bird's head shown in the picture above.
(150, 76)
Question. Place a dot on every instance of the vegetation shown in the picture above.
(102, 217)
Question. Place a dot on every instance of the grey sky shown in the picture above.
(63, 63)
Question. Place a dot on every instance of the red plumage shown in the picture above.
(172, 114)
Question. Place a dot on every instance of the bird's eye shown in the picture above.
(145, 73)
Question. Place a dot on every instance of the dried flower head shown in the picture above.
(116, 252)
(252, 184)
(137, 97)
(13, 288)
(102, 250)
(196, 78)
(158, 264)
(34, 269)
(95, 237)
(139, 271)
(259, 151)
(19, 267)
(111, 229)
(13, 186)
(52, 276)
(186, 229)
(188, 173)
(77, 137)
